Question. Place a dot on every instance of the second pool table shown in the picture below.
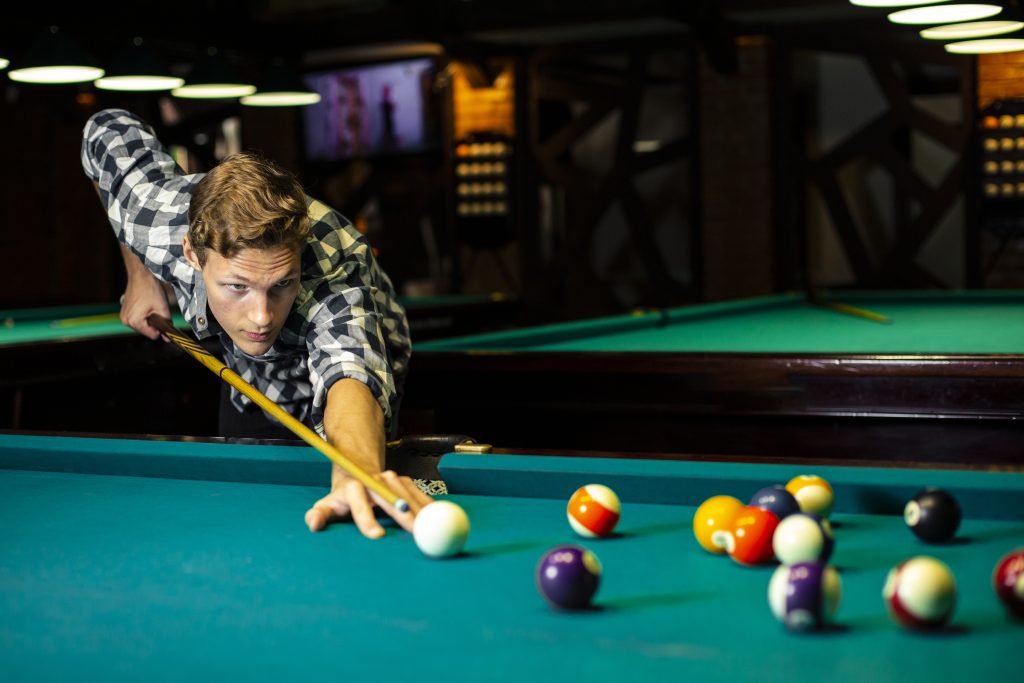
(774, 376)
(77, 368)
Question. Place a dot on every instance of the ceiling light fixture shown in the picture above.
(944, 14)
(281, 87)
(986, 47)
(974, 29)
(213, 78)
(137, 69)
(55, 58)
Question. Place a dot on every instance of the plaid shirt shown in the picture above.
(345, 322)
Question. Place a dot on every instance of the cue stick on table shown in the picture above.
(213, 364)
(87, 320)
(846, 309)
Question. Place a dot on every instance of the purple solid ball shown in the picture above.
(776, 499)
(568, 576)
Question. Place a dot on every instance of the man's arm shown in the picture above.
(354, 423)
(144, 294)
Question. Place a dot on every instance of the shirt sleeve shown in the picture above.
(144, 192)
(346, 337)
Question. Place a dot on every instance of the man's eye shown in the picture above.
(285, 283)
(235, 287)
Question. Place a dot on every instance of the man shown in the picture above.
(293, 292)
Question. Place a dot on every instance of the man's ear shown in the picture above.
(190, 254)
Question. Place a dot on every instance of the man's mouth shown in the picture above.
(257, 337)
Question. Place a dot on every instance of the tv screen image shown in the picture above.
(370, 110)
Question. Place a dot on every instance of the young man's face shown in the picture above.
(251, 293)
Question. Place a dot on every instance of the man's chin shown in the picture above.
(254, 348)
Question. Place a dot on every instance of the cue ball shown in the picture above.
(568, 576)
(441, 529)
(920, 593)
(593, 511)
(804, 596)
(1008, 582)
(933, 515)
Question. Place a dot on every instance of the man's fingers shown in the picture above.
(324, 511)
(362, 509)
(404, 487)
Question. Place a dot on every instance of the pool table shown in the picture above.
(78, 368)
(125, 559)
(942, 380)
(86, 355)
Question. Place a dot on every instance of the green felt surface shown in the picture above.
(21, 326)
(154, 578)
(983, 322)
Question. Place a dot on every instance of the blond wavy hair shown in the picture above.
(247, 202)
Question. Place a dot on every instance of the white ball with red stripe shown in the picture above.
(920, 593)
(593, 511)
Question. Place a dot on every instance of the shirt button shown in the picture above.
(201, 320)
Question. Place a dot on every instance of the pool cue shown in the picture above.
(846, 309)
(87, 320)
(194, 349)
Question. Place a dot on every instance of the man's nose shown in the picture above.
(260, 312)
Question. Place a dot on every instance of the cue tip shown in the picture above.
(401, 505)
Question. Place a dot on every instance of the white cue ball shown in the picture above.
(441, 529)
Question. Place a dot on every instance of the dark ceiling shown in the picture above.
(291, 27)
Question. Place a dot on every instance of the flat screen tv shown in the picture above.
(371, 110)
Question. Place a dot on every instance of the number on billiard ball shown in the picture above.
(568, 576)
(933, 515)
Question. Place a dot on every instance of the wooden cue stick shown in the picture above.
(847, 309)
(194, 349)
(86, 320)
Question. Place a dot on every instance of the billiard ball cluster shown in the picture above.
(748, 532)
(804, 591)
(788, 523)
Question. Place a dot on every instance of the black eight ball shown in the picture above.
(933, 515)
